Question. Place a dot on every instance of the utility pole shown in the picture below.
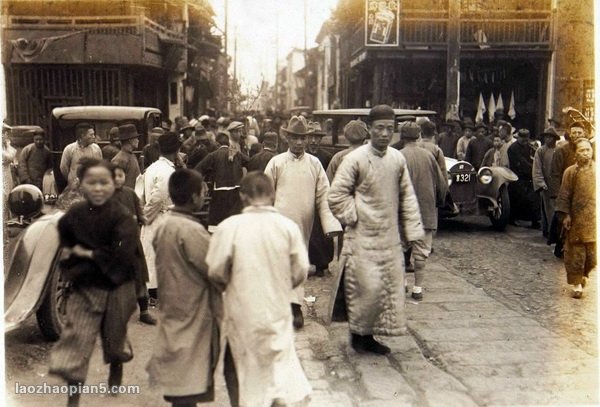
(226, 57)
(277, 58)
(305, 94)
(235, 61)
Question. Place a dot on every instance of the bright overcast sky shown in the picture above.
(256, 24)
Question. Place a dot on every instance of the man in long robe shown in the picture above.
(463, 142)
(524, 203)
(373, 196)
(301, 188)
(355, 132)
(257, 257)
(478, 146)
(449, 140)
(576, 201)
(542, 163)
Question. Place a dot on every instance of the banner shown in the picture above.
(382, 23)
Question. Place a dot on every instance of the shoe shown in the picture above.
(417, 296)
(357, 343)
(153, 302)
(146, 318)
(371, 345)
(298, 317)
(577, 294)
(115, 377)
(320, 273)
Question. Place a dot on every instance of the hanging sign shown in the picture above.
(382, 23)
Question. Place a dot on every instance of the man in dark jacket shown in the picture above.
(524, 201)
(478, 146)
(260, 160)
(34, 161)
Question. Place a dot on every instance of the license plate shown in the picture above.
(462, 178)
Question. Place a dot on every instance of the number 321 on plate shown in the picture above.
(462, 178)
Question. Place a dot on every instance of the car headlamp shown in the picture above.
(26, 200)
(485, 176)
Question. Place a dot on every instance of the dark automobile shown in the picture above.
(102, 118)
(483, 192)
(32, 277)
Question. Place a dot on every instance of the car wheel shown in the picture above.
(501, 215)
(51, 313)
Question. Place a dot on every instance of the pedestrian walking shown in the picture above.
(463, 142)
(35, 159)
(129, 199)
(355, 132)
(373, 196)
(84, 146)
(427, 142)
(186, 348)
(225, 168)
(99, 238)
(314, 144)
(478, 146)
(260, 160)
(257, 258)
(430, 186)
(524, 202)
(576, 202)
(156, 200)
(126, 159)
(542, 163)
(114, 146)
(301, 188)
(237, 137)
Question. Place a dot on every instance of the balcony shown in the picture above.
(134, 40)
(428, 30)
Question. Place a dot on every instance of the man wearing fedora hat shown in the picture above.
(373, 196)
(130, 139)
(301, 188)
(542, 163)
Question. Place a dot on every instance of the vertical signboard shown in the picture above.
(382, 23)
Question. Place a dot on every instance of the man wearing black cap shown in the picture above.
(371, 188)
(259, 161)
(130, 139)
(156, 198)
(427, 142)
(35, 159)
(478, 146)
(542, 163)
(84, 146)
(449, 140)
(524, 202)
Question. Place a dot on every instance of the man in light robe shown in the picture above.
(373, 196)
(301, 188)
(463, 142)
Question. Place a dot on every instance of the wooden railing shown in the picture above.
(105, 25)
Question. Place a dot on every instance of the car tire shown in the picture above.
(501, 217)
(51, 313)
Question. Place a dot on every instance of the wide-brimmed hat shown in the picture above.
(128, 132)
(298, 126)
(468, 123)
(169, 143)
(185, 124)
(480, 125)
(550, 131)
(316, 129)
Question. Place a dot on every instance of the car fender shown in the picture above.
(501, 176)
(29, 269)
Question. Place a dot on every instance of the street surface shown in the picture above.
(497, 326)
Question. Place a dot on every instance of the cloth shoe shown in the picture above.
(371, 345)
(115, 376)
(146, 318)
(417, 293)
(357, 343)
(577, 291)
(298, 317)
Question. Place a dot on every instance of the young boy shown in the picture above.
(128, 198)
(257, 258)
(99, 239)
(186, 349)
(493, 157)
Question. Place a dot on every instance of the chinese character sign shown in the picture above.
(381, 22)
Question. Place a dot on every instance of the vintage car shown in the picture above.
(333, 122)
(32, 278)
(102, 118)
(483, 192)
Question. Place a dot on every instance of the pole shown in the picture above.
(277, 58)
(305, 94)
(226, 56)
(235, 61)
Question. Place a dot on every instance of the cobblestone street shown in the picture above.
(496, 327)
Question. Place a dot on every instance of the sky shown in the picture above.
(258, 23)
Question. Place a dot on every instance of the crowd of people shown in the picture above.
(277, 201)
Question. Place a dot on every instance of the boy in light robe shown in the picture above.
(257, 258)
